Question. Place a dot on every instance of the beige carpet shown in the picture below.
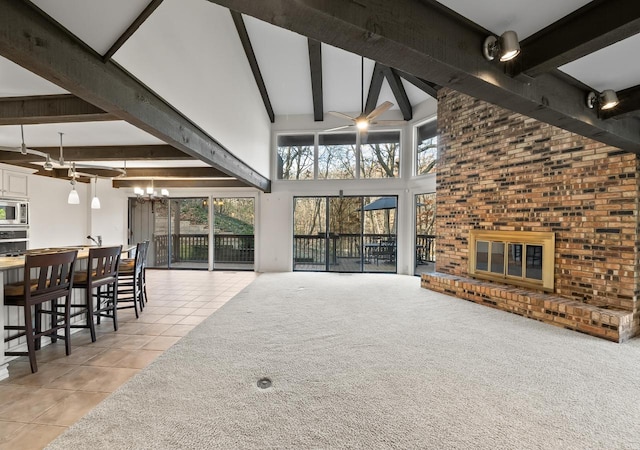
(372, 362)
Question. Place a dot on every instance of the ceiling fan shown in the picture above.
(364, 120)
(61, 163)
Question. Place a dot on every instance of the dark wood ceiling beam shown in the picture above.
(102, 153)
(253, 62)
(395, 83)
(144, 15)
(315, 66)
(176, 172)
(377, 77)
(32, 41)
(49, 109)
(425, 86)
(629, 103)
(194, 183)
(594, 26)
(429, 41)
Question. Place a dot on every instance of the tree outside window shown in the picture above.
(426, 148)
(295, 157)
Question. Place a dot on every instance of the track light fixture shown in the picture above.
(606, 100)
(506, 46)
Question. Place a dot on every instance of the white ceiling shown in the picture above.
(178, 31)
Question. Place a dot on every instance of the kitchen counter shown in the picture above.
(11, 270)
(14, 262)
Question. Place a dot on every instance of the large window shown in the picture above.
(426, 148)
(380, 155)
(338, 156)
(295, 157)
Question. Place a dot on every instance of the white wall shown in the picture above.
(110, 221)
(189, 52)
(53, 222)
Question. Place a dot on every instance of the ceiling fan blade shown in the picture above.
(342, 115)
(379, 110)
(339, 128)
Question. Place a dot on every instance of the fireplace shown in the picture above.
(521, 258)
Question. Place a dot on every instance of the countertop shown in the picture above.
(17, 262)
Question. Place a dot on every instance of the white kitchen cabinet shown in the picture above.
(14, 184)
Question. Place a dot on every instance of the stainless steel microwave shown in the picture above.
(14, 212)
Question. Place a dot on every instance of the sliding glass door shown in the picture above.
(425, 233)
(233, 233)
(345, 234)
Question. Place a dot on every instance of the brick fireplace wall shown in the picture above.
(499, 170)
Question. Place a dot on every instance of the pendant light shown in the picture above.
(95, 202)
(74, 198)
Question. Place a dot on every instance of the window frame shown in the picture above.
(414, 150)
(316, 151)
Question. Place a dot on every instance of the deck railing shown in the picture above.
(239, 248)
(228, 248)
(312, 249)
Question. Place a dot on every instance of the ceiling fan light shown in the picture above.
(362, 124)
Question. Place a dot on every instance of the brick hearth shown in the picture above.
(498, 170)
(614, 325)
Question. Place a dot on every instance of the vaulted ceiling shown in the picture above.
(136, 80)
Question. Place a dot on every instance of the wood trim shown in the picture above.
(596, 25)
(425, 86)
(430, 41)
(49, 109)
(102, 153)
(395, 83)
(253, 62)
(32, 41)
(315, 67)
(193, 183)
(144, 15)
(377, 77)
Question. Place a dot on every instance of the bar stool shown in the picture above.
(52, 279)
(102, 272)
(130, 280)
(127, 266)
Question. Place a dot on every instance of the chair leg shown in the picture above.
(141, 296)
(38, 325)
(114, 306)
(67, 324)
(144, 286)
(89, 304)
(31, 350)
(98, 304)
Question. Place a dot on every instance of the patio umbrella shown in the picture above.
(385, 203)
(381, 203)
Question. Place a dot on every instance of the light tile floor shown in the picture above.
(36, 408)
